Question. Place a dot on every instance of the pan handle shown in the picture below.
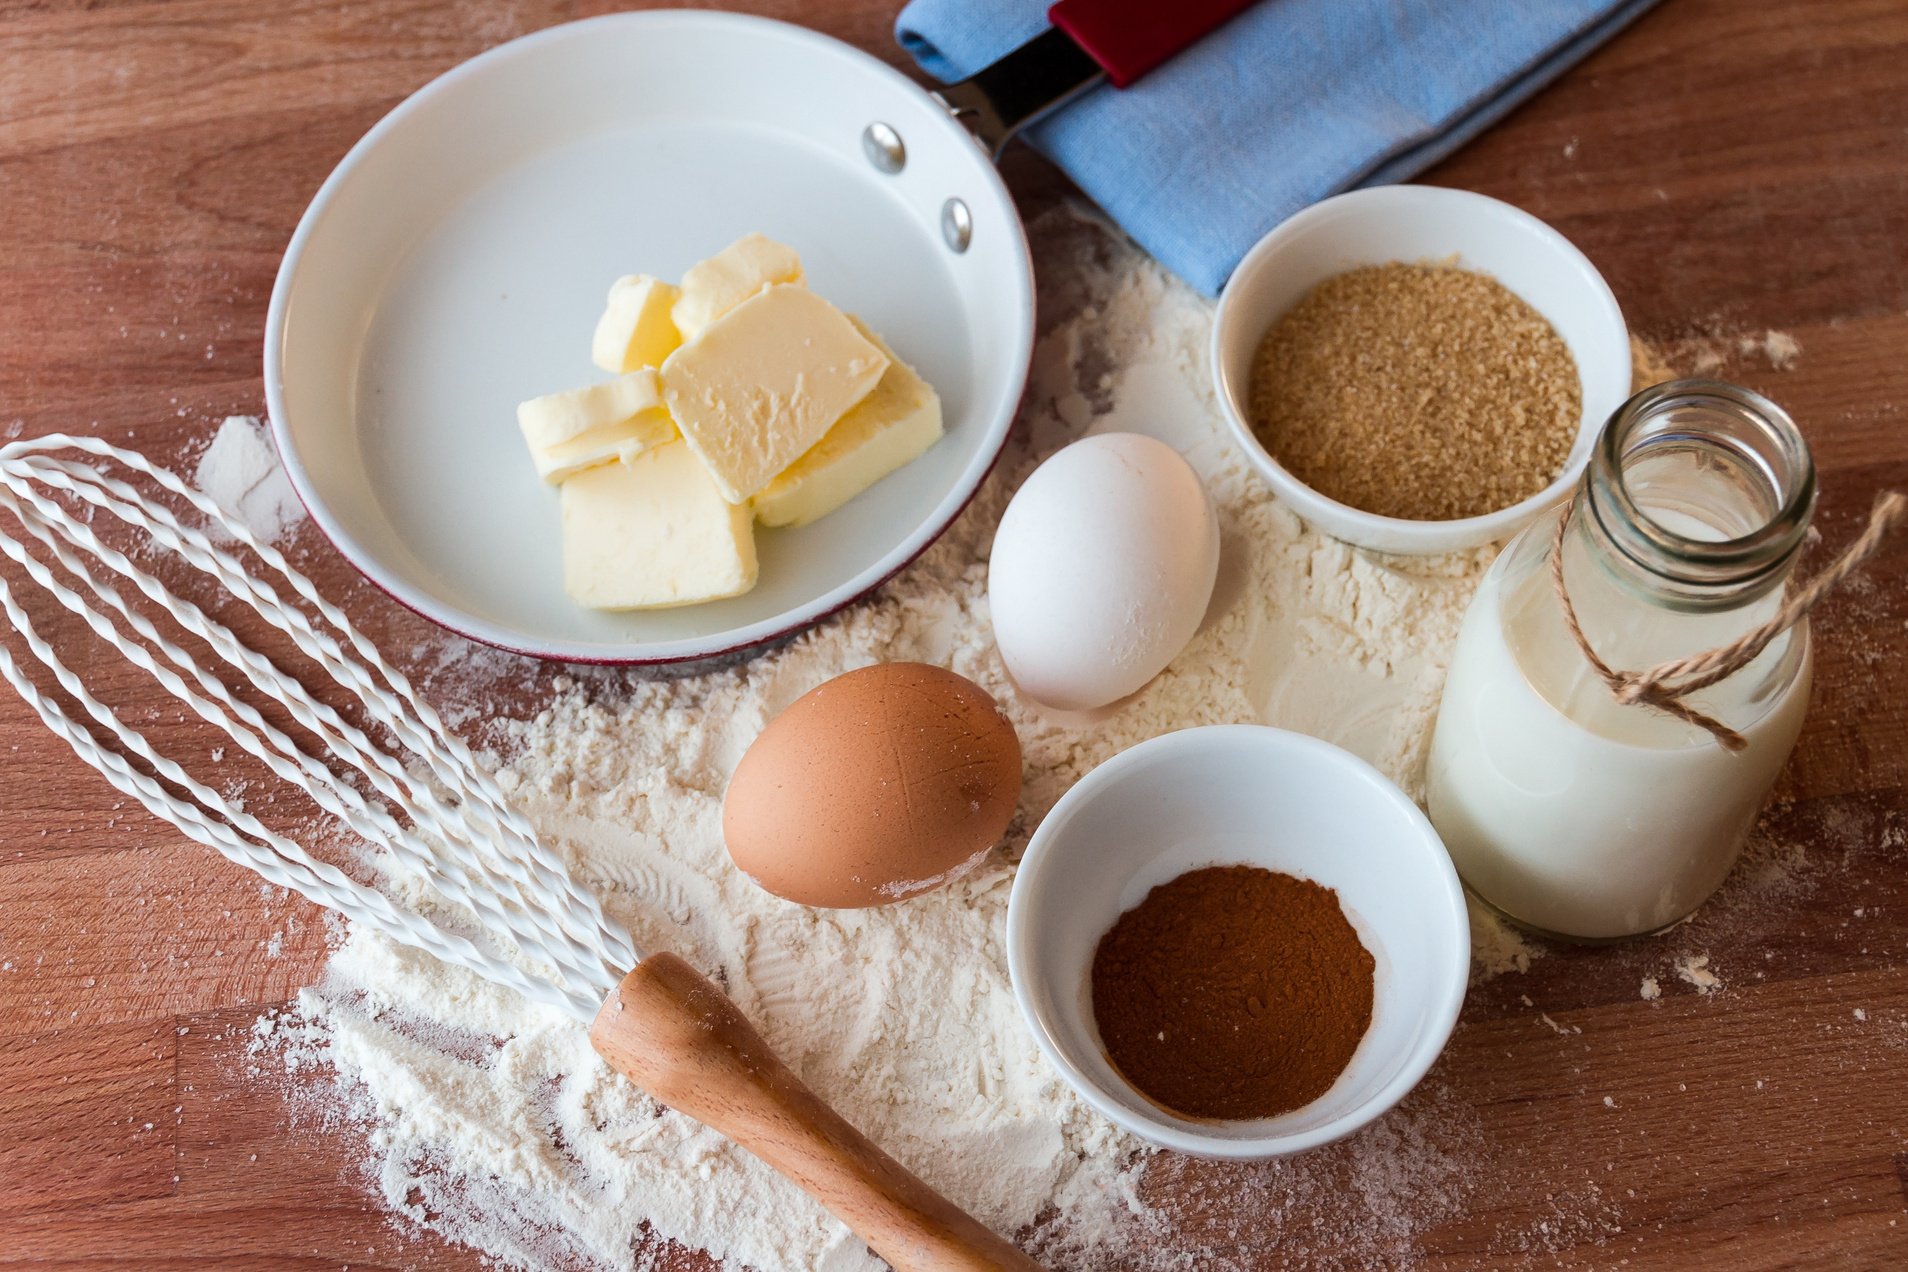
(1130, 37)
(1120, 40)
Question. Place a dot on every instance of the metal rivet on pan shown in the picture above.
(957, 225)
(884, 147)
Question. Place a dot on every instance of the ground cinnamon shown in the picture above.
(1232, 992)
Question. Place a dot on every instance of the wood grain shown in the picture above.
(114, 1083)
(1733, 170)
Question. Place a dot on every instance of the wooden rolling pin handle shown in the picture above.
(676, 1035)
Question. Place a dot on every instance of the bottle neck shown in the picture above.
(1697, 497)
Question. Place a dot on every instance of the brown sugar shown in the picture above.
(1420, 391)
(1232, 992)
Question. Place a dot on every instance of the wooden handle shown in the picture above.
(673, 1033)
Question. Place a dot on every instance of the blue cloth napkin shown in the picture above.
(1291, 101)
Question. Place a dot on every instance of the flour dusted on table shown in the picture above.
(494, 1123)
(241, 473)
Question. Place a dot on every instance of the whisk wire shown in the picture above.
(463, 774)
(464, 838)
(530, 865)
(274, 858)
(269, 745)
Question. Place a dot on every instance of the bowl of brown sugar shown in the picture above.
(1238, 941)
(1418, 369)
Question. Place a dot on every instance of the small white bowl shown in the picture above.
(1229, 795)
(1420, 223)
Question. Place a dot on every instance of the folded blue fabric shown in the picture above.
(1290, 102)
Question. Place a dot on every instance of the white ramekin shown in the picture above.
(1241, 794)
(1420, 223)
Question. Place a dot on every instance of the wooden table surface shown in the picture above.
(1734, 169)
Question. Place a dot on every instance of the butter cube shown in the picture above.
(581, 428)
(765, 382)
(635, 329)
(653, 533)
(737, 272)
(894, 425)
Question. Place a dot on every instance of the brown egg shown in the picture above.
(882, 784)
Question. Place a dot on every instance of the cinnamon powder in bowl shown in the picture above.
(1269, 902)
(1233, 992)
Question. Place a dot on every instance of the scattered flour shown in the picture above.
(1711, 349)
(1496, 946)
(1694, 968)
(492, 1121)
(240, 472)
(1650, 991)
(1778, 348)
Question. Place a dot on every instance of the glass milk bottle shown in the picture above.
(1566, 810)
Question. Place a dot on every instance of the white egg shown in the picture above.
(1102, 569)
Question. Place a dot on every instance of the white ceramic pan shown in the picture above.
(455, 262)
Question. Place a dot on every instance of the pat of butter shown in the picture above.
(765, 382)
(635, 329)
(581, 428)
(894, 425)
(653, 533)
(737, 272)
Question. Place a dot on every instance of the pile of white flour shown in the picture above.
(495, 1124)
(241, 472)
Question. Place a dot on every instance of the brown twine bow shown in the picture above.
(1665, 685)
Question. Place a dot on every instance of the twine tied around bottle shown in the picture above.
(1665, 686)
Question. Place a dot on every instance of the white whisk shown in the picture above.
(442, 818)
